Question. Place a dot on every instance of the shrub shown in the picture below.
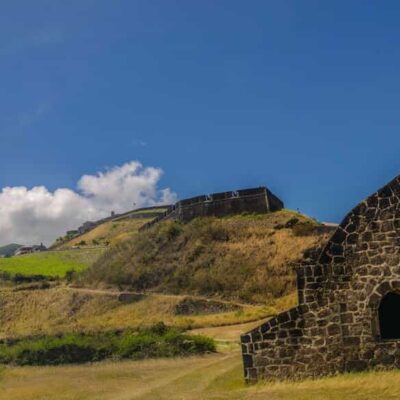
(70, 275)
(20, 278)
(304, 229)
(156, 341)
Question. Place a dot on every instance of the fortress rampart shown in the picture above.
(254, 200)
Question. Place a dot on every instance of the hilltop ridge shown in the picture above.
(248, 257)
(9, 249)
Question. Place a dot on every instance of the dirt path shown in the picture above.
(212, 377)
(229, 333)
(117, 292)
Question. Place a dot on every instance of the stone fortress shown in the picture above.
(348, 317)
(254, 200)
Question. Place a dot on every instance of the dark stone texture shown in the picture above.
(336, 326)
(257, 200)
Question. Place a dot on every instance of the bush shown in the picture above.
(304, 229)
(20, 278)
(70, 275)
(156, 341)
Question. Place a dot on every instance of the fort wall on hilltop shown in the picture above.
(254, 200)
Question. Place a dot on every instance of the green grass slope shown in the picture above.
(247, 257)
(50, 263)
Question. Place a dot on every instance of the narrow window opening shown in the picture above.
(389, 316)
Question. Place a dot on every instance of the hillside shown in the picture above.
(9, 249)
(245, 257)
(61, 310)
(122, 227)
(50, 263)
(80, 252)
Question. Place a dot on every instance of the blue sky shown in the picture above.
(301, 96)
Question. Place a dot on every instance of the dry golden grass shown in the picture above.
(248, 258)
(112, 232)
(61, 310)
(210, 377)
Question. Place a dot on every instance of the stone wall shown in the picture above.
(256, 200)
(336, 326)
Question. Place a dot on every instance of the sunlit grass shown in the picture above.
(196, 378)
(111, 232)
(50, 263)
(62, 310)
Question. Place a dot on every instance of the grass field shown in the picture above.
(50, 263)
(212, 377)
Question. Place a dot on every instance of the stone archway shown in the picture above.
(389, 313)
(385, 306)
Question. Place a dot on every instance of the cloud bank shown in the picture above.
(30, 216)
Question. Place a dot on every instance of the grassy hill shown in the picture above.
(123, 227)
(50, 263)
(61, 310)
(111, 232)
(78, 253)
(248, 257)
(9, 249)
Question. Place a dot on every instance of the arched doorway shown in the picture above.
(389, 316)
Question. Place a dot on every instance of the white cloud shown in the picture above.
(35, 215)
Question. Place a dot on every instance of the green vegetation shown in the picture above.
(248, 258)
(156, 341)
(49, 263)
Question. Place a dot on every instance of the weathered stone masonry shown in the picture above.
(348, 317)
(258, 200)
(255, 200)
